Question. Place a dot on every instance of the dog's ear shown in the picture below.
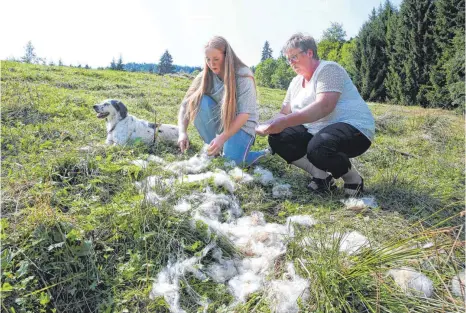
(121, 108)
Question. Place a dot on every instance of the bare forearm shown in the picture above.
(313, 112)
(236, 125)
(183, 121)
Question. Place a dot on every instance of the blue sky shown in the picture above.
(94, 31)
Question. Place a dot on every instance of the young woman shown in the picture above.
(222, 104)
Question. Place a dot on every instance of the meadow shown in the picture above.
(77, 235)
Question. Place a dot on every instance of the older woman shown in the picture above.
(222, 103)
(323, 121)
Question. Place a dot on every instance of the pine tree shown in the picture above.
(119, 66)
(30, 55)
(266, 51)
(166, 64)
(413, 45)
(372, 55)
(113, 64)
(449, 19)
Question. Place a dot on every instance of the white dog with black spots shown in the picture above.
(123, 128)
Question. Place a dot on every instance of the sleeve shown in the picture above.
(246, 95)
(331, 79)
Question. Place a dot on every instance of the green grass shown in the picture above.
(77, 236)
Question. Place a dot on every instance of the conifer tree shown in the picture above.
(266, 51)
(166, 64)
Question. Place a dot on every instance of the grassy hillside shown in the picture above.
(77, 236)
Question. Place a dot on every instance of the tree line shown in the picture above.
(414, 55)
(165, 65)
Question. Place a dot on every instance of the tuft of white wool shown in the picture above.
(305, 220)
(167, 281)
(182, 206)
(153, 198)
(155, 159)
(166, 285)
(195, 177)
(221, 204)
(351, 242)
(458, 285)
(264, 176)
(152, 182)
(221, 179)
(283, 294)
(140, 163)
(356, 204)
(240, 176)
(412, 281)
(281, 191)
(229, 164)
(196, 164)
(244, 284)
(222, 272)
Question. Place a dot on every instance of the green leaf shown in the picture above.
(6, 287)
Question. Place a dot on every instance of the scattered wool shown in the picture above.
(281, 191)
(140, 163)
(196, 164)
(182, 206)
(195, 177)
(221, 179)
(244, 284)
(221, 272)
(239, 176)
(412, 282)
(305, 220)
(167, 281)
(156, 159)
(283, 294)
(153, 198)
(257, 265)
(226, 206)
(264, 176)
(151, 182)
(351, 242)
(457, 285)
(355, 204)
(229, 164)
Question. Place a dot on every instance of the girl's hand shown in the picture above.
(183, 142)
(216, 145)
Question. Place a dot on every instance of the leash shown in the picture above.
(156, 128)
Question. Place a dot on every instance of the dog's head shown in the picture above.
(112, 109)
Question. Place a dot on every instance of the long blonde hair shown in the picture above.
(231, 64)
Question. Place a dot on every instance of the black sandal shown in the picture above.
(354, 190)
(321, 185)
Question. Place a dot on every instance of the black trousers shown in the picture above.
(329, 150)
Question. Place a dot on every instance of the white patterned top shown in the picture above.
(351, 108)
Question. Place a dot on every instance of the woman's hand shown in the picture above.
(276, 126)
(216, 145)
(260, 130)
(183, 142)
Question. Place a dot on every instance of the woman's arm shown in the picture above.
(216, 145)
(183, 119)
(324, 104)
